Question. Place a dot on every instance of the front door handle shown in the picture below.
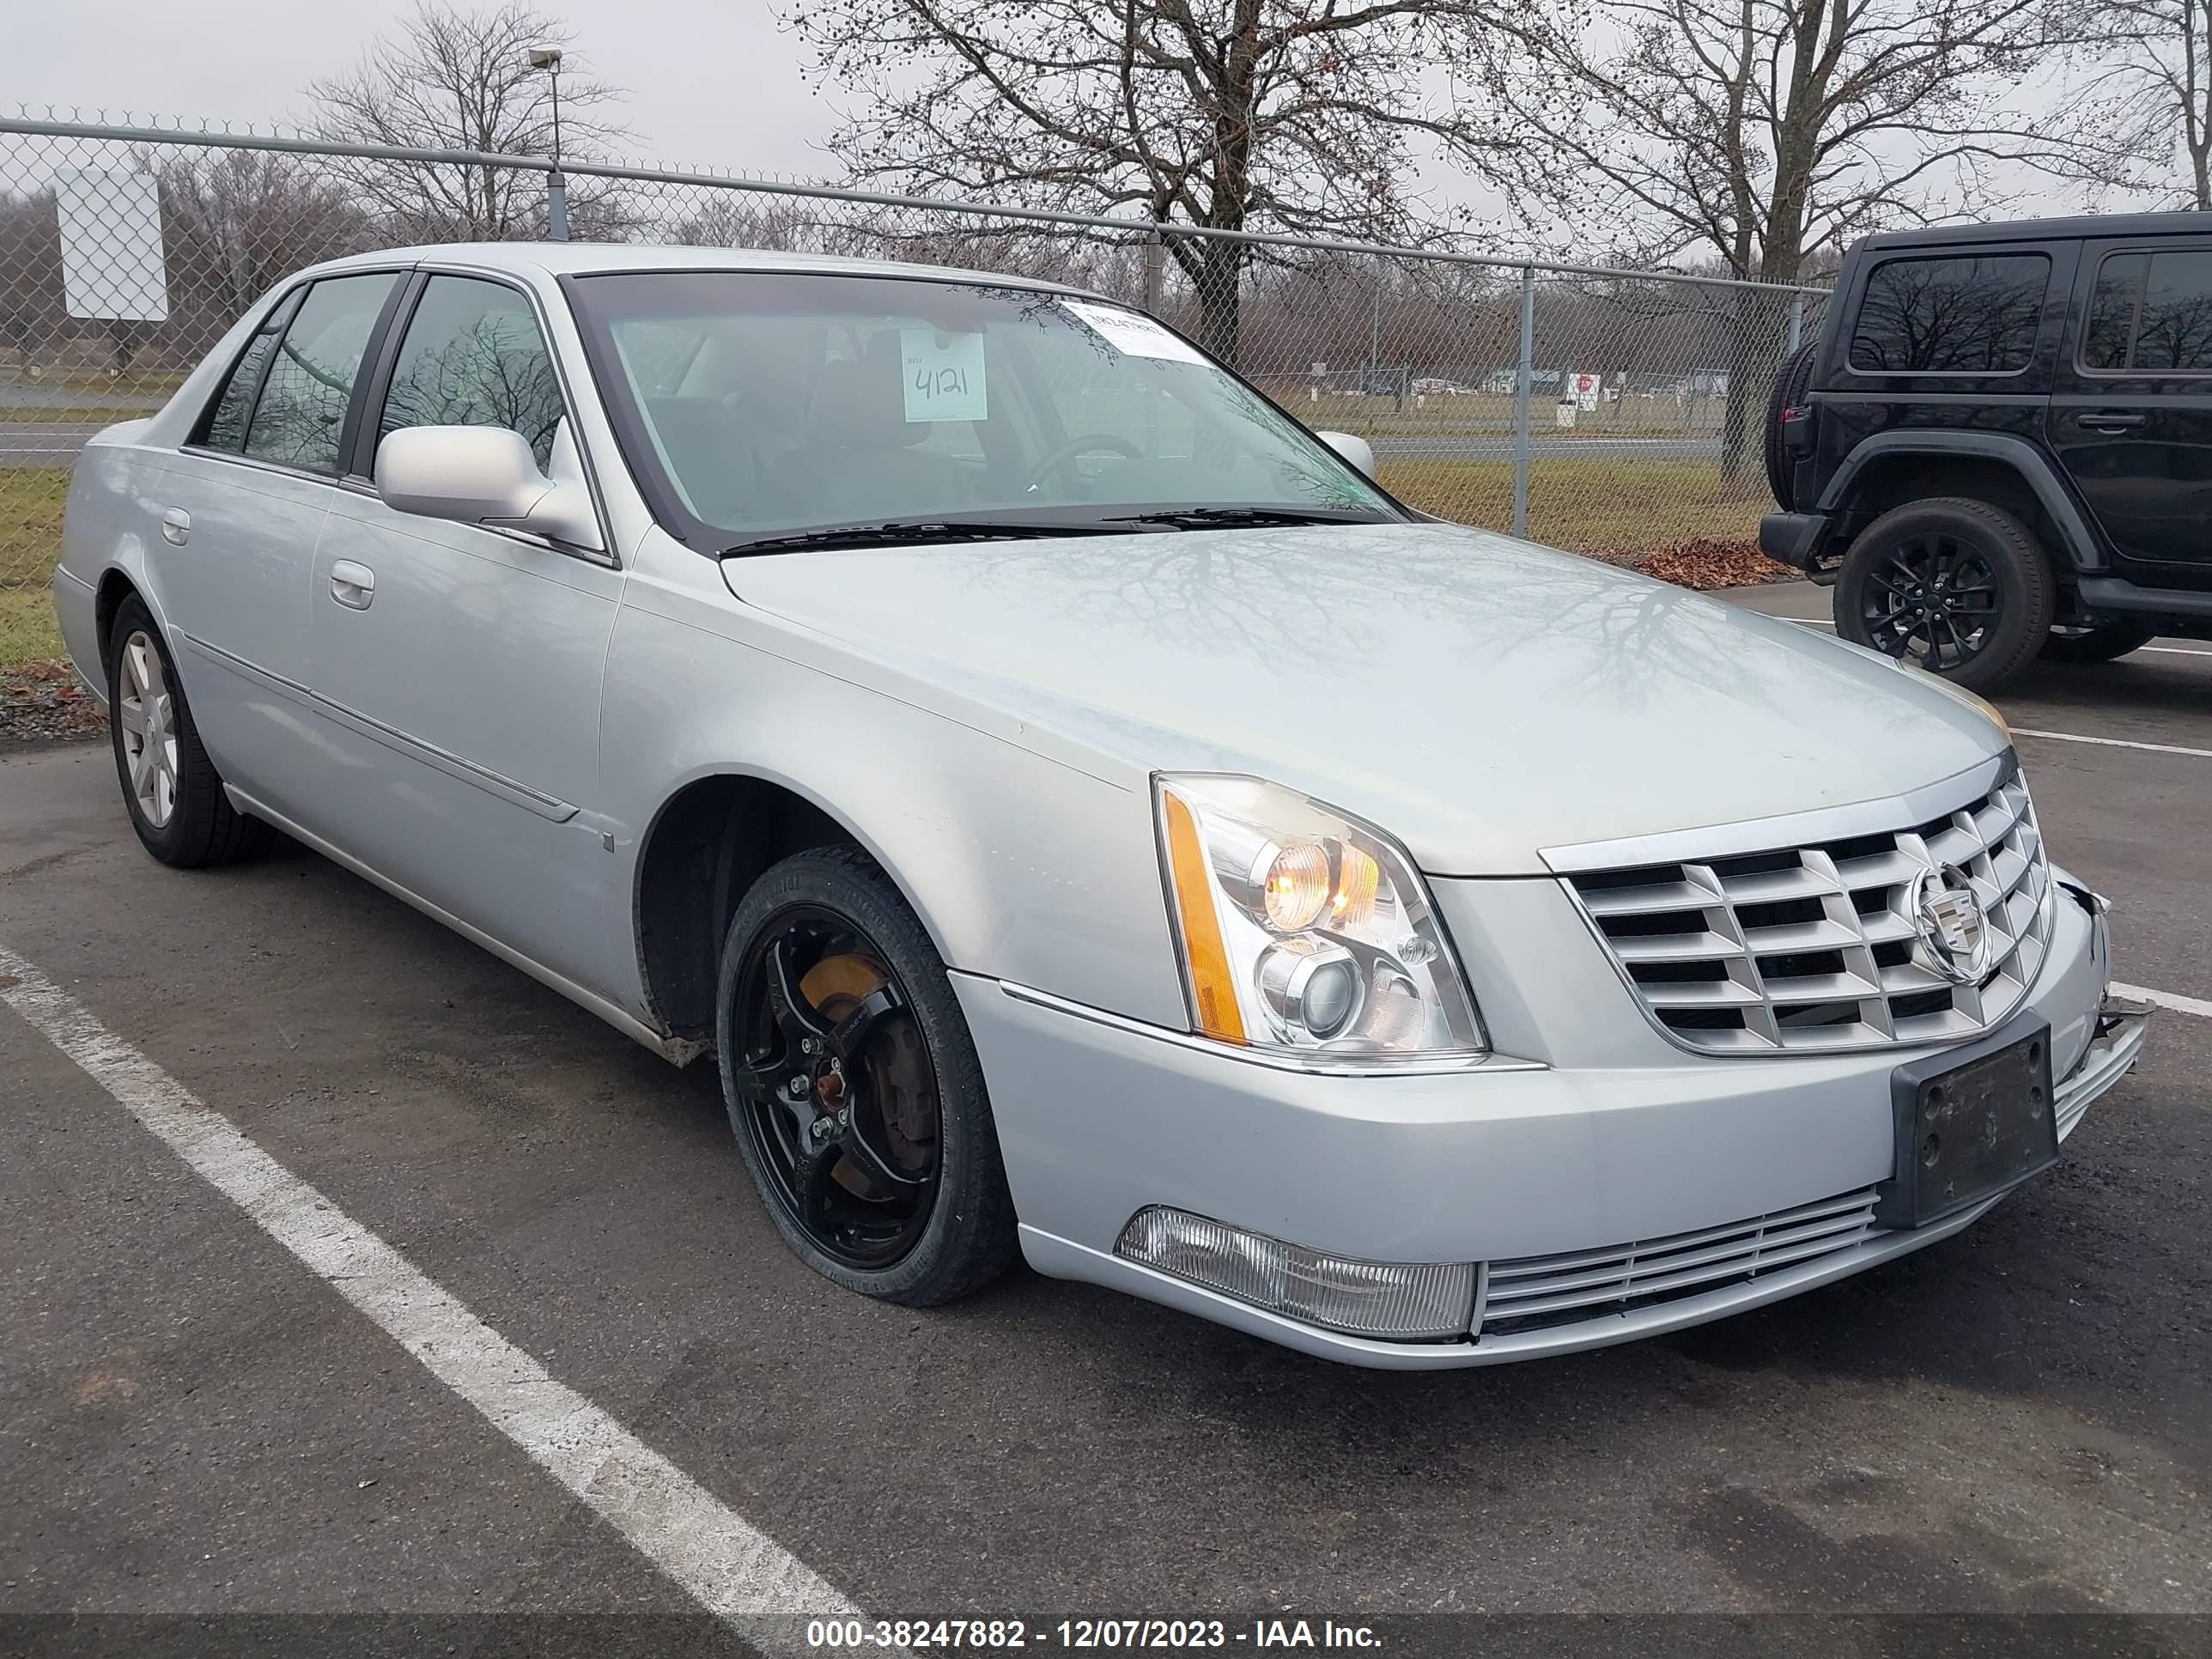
(176, 525)
(353, 585)
(2108, 420)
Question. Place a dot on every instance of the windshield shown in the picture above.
(758, 405)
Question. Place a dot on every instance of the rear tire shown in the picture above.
(1790, 381)
(2101, 643)
(1953, 586)
(170, 787)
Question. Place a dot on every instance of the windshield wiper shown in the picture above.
(1233, 518)
(905, 532)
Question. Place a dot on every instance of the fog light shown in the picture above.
(1396, 1301)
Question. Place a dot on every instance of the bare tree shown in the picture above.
(239, 219)
(2139, 111)
(455, 80)
(1760, 132)
(1287, 115)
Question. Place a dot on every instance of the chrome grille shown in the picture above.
(1811, 947)
(1530, 1292)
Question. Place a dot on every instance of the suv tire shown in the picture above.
(1791, 381)
(2101, 643)
(1951, 585)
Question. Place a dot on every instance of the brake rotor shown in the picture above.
(899, 1072)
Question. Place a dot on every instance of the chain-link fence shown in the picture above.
(1607, 411)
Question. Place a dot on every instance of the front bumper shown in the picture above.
(1099, 1118)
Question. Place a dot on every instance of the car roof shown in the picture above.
(578, 258)
(2044, 230)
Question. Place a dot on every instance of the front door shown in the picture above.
(2131, 414)
(458, 667)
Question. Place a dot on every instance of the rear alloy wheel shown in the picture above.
(2072, 642)
(1953, 586)
(853, 1087)
(170, 787)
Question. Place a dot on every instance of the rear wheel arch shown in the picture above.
(1895, 469)
(114, 587)
(704, 848)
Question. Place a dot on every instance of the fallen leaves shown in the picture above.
(1705, 561)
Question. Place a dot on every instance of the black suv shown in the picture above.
(2000, 445)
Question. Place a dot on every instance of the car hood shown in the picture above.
(1481, 698)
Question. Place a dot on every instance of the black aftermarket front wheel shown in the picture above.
(1955, 587)
(853, 1087)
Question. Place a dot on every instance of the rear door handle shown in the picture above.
(2108, 420)
(353, 585)
(176, 525)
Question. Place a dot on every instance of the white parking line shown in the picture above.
(729, 1566)
(2111, 743)
(2180, 1004)
(2162, 650)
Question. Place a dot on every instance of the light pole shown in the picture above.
(556, 184)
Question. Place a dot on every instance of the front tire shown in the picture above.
(1953, 586)
(853, 1087)
(170, 787)
(2103, 642)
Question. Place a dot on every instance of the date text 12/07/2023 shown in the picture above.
(1014, 1635)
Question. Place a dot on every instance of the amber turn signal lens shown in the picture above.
(1213, 993)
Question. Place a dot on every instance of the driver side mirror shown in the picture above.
(1358, 451)
(485, 475)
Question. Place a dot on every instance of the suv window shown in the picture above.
(301, 414)
(1974, 315)
(474, 355)
(2151, 313)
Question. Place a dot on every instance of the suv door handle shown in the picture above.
(353, 585)
(2108, 420)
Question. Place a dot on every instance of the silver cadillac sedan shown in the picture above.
(1081, 810)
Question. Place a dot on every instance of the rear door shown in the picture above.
(2132, 414)
(240, 506)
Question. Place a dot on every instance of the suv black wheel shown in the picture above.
(170, 787)
(853, 1087)
(2071, 642)
(1953, 586)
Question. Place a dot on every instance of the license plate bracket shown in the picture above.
(1970, 1123)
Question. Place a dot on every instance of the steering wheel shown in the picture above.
(1088, 443)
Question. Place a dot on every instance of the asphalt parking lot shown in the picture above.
(194, 1420)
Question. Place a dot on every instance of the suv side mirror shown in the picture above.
(1358, 451)
(482, 475)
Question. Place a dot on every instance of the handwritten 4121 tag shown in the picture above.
(944, 375)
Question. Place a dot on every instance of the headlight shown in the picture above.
(1306, 931)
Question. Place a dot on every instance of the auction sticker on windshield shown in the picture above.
(944, 375)
(1132, 333)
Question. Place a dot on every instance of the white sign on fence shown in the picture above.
(112, 265)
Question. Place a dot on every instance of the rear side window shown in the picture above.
(302, 411)
(1974, 315)
(2151, 313)
(474, 355)
(226, 421)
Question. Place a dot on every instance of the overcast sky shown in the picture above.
(712, 82)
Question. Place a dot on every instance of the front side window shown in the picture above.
(300, 416)
(768, 404)
(474, 355)
(1974, 315)
(2151, 313)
